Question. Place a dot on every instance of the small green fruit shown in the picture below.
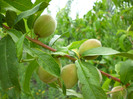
(44, 26)
(45, 76)
(119, 94)
(69, 75)
(89, 44)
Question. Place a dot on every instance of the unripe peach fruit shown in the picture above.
(89, 44)
(69, 75)
(44, 26)
(45, 76)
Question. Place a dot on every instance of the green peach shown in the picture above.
(89, 44)
(69, 75)
(44, 26)
(45, 76)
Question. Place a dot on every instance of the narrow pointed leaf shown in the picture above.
(38, 1)
(48, 62)
(106, 84)
(126, 71)
(75, 44)
(121, 41)
(106, 51)
(29, 71)
(16, 35)
(21, 5)
(4, 76)
(8, 64)
(10, 17)
(54, 39)
(32, 11)
(19, 46)
(70, 92)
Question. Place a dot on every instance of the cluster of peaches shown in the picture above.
(44, 26)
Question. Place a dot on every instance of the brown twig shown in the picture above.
(47, 47)
(109, 76)
(41, 44)
(69, 57)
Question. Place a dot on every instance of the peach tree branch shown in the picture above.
(67, 56)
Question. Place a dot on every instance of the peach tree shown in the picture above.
(22, 31)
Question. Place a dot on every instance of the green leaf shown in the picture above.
(28, 74)
(15, 36)
(20, 26)
(21, 5)
(31, 20)
(116, 2)
(19, 46)
(121, 42)
(121, 31)
(59, 53)
(38, 1)
(48, 62)
(106, 51)
(75, 44)
(32, 11)
(8, 64)
(70, 92)
(126, 71)
(130, 33)
(10, 17)
(1, 19)
(54, 39)
(88, 75)
(106, 84)
(128, 55)
(63, 87)
(4, 76)
(100, 51)
(118, 66)
(5, 6)
(130, 92)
